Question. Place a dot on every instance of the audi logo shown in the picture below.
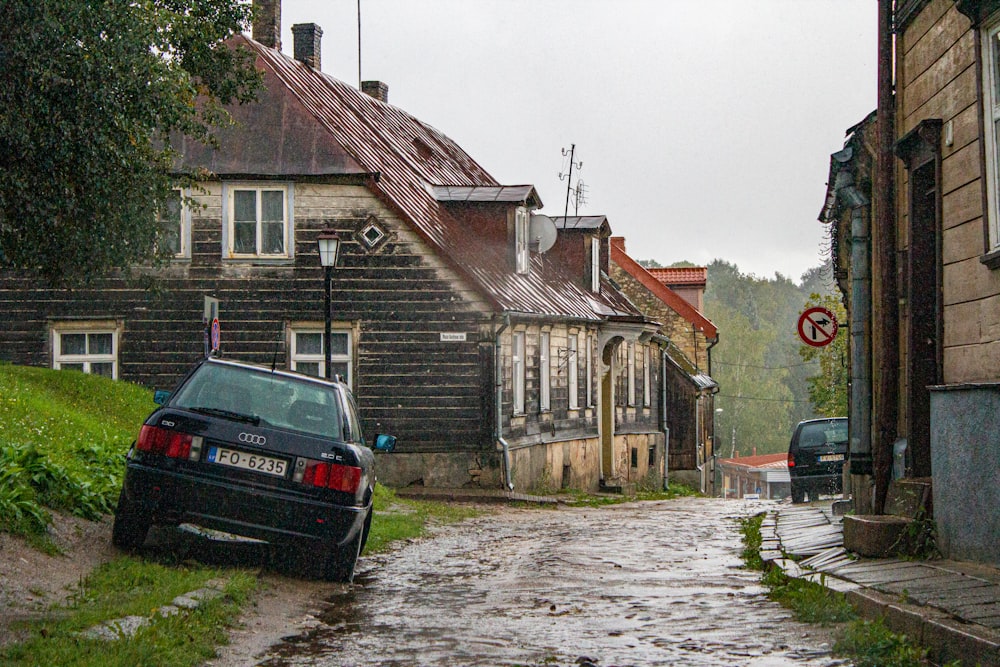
(252, 439)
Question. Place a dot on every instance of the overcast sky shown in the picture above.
(704, 126)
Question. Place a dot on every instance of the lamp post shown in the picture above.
(328, 245)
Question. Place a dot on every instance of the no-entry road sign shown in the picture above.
(817, 326)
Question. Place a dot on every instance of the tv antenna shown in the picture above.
(579, 196)
(569, 175)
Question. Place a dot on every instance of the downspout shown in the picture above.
(885, 314)
(663, 418)
(498, 393)
(861, 381)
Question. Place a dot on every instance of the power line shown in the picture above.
(761, 398)
(766, 368)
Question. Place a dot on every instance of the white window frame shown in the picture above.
(517, 371)
(595, 264)
(59, 359)
(573, 371)
(295, 357)
(991, 123)
(590, 370)
(229, 233)
(630, 363)
(184, 229)
(544, 372)
(521, 254)
(646, 380)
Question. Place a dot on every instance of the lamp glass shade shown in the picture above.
(328, 245)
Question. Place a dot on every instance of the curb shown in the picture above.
(945, 636)
(124, 628)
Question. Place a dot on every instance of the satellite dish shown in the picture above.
(541, 233)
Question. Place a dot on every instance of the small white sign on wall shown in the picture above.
(452, 337)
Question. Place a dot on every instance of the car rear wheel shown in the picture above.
(130, 527)
(798, 494)
(340, 561)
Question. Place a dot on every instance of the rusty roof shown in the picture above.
(690, 275)
(760, 461)
(410, 158)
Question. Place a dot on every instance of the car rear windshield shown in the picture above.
(267, 399)
(818, 434)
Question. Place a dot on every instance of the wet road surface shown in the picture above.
(639, 584)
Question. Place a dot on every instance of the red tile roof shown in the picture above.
(409, 157)
(694, 275)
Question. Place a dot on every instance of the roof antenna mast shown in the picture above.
(359, 44)
(569, 176)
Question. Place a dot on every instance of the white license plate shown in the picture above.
(255, 462)
(832, 457)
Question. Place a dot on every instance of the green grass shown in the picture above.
(63, 439)
(584, 499)
(750, 528)
(128, 586)
(871, 644)
(810, 602)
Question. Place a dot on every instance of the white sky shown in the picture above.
(704, 126)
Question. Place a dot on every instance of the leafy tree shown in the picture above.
(89, 94)
(650, 264)
(828, 388)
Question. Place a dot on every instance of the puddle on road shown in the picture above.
(655, 584)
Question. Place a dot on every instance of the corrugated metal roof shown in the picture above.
(691, 275)
(409, 156)
(487, 193)
(579, 221)
(770, 461)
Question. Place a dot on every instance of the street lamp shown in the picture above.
(328, 244)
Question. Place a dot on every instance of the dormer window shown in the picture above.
(521, 239)
(595, 264)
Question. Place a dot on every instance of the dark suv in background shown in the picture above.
(259, 453)
(816, 456)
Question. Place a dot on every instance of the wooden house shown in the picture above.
(921, 188)
(763, 476)
(495, 364)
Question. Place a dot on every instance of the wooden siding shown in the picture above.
(939, 79)
(399, 300)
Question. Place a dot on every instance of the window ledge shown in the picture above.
(991, 259)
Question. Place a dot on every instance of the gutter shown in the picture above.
(498, 393)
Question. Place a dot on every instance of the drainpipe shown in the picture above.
(498, 392)
(663, 417)
(861, 381)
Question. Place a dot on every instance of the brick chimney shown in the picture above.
(376, 89)
(267, 23)
(618, 242)
(306, 39)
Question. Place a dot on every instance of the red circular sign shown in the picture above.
(817, 326)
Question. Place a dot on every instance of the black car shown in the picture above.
(254, 452)
(816, 456)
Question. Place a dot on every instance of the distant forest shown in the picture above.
(768, 379)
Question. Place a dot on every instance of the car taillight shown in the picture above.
(791, 460)
(332, 476)
(172, 444)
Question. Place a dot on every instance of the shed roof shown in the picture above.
(410, 162)
(762, 461)
(487, 193)
(581, 222)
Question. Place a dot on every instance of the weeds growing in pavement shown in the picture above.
(750, 527)
(871, 644)
(809, 601)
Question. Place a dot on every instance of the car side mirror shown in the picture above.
(161, 396)
(385, 443)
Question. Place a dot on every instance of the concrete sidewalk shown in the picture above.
(950, 607)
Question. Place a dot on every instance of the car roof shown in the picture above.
(276, 371)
